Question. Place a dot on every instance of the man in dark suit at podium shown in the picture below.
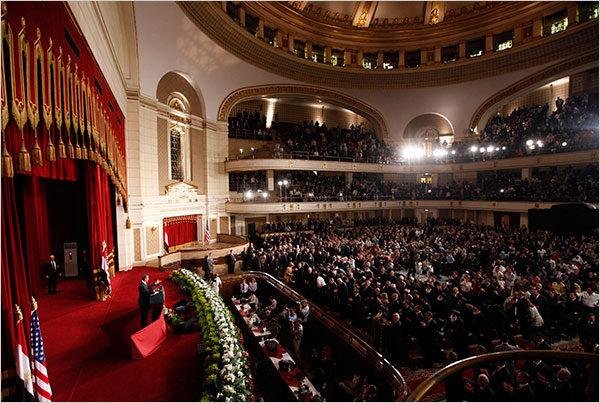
(145, 291)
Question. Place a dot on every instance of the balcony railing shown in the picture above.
(591, 360)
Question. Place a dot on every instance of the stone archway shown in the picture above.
(334, 97)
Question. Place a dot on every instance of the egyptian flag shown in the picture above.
(166, 241)
(22, 359)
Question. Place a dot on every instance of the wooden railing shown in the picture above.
(433, 381)
(352, 351)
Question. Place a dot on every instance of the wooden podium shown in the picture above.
(157, 301)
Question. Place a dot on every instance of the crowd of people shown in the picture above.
(356, 143)
(570, 184)
(249, 125)
(431, 288)
(572, 126)
(250, 180)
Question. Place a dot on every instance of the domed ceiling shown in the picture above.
(377, 14)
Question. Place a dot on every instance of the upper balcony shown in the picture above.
(250, 162)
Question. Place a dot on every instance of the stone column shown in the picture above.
(526, 173)
(242, 16)
(537, 27)
(462, 49)
(291, 43)
(308, 52)
(261, 28)
(328, 55)
(437, 55)
(489, 43)
(270, 180)
(349, 177)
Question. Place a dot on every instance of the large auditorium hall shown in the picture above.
(300, 201)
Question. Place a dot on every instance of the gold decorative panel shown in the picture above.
(152, 240)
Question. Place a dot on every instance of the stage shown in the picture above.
(87, 345)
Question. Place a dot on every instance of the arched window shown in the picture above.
(179, 139)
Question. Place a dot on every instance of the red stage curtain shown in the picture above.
(37, 236)
(14, 282)
(99, 212)
(181, 230)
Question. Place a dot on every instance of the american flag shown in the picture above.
(40, 374)
(105, 265)
(207, 234)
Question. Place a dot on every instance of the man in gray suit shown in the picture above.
(210, 266)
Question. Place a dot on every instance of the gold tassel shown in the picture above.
(8, 170)
(38, 158)
(24, 158)
(77, 151)
(84, 152)
(70, 150)
(50, 150)
(62, 153)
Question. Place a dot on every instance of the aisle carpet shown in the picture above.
(88, 350)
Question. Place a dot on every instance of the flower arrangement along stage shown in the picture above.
(226, 373)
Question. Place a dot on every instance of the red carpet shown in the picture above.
(88, 350)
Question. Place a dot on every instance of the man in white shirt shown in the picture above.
(589, 299)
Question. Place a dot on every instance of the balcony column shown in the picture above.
(518, 35)
(328, 55)
(347, 58)
(359, 58)
(308, 52)
(270, 180)
(279, 37)
(462, 50)
(437, 55)
(291, 43)
(526, 173)
(242, 16)
(349, 178)
(572, 13)
(537, 27)
(401, 59)
(379, 60)
(261, 28)
(489, 43)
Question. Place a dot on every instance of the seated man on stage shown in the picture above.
(145, 291)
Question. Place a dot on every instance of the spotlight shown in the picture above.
(490, 149)
(482, 149)
(501, 190)
(564, 143)
(280, 183)
(473, 149)
(453, 152)
(439, 152)
(529, 142)
(497, 148)
(265, 195)
(285, 182)
(249, 195)
(503, 147)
